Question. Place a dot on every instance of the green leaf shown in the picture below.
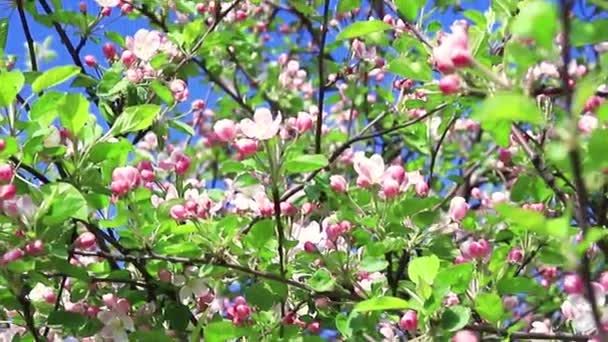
(162, 91)
(54, 76)
(44, 110)
(65, 201)
(306, 163)
(489, 306)
(381, 304)
(11, 84)
(261, 232)
(362, 28)
(371, 264)
(3, 32)
(178, 316)
(343, 324)
(409, 8)
(408, 68)
(322, 280)
(66, 319)
(457, 277)
(509, 107)
(423, 269)
(223, 331)
(455, 318)
(588, 32)
(73, 112)
(537, 19)
(182, 127)
(518, 285)
(136, 118)
(348, 5)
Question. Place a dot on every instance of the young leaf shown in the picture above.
(322, 280)
(11, 84)
(73, 112)
(455, 318)
(415, 70)
(409, 8)
(381, 304)
(423, 269)
(362, 28)
(489, 306)
(537, 19)
(306, 163)
(136, 118)
(54, 76)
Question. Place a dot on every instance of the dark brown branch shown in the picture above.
(319, 128)
(28, 36)
(575, 161)
(435, 151)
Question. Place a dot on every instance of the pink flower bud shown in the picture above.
(2, 144)
(126, 9)
(461, 58)
(504, 155)
(409, 321)
(449, 84)
(198, 104)
(314, 327)
(8, 191)
(90, 61)
(92, 311)
(34, 248)
(201, 8)
(86, 240)
(397, 173)
(106, 11)
(164, 275)
(82, 6)
(6, 173)
(182, 164)
(515, 255)
(109, 51)
(451, 299)
(308, 208)
(135, 75)
(109, 299)
(587, 123)
(510, 302)
(603, 280)
(246, 147)
(593, 103)
(179, 89)
(304, 122)
(178, 212)
(225, 130)
(128, 58)
(363, 182)
(242, 311)
(458, 208)
(390, 187)
(12, 255)
(288, 209)
(465, 336)
(337, 183)
(422, 189)
(573, 284)
(49, 296)
(123, 306)
(310, 247)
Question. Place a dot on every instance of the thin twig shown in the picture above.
(435, 151)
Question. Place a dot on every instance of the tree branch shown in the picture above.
(319, 128)
(528, 335)
(28, 35)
